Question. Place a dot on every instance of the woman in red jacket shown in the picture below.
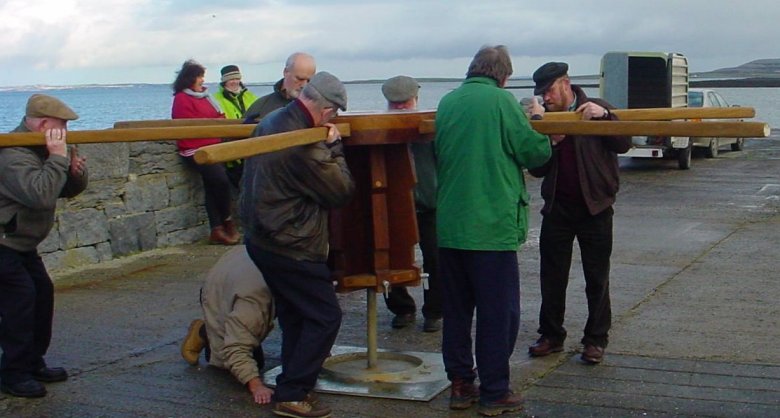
(190, 101)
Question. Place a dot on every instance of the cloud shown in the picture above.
(47, 41)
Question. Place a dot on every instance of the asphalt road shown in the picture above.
(695, 313)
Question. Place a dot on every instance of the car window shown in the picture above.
(695, 99)
(722, 101)
(713, 99)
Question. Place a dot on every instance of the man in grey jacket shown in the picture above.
(31, 180)
(238, 314)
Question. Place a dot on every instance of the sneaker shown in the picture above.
(463, 394)
(511, 403)
(403, 320)
(432, 325)
(193, 343)
(301, 409)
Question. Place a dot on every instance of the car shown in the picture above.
(711, 98)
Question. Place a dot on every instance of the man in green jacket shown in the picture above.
(31, 180)
(483, 143)
(234, 99)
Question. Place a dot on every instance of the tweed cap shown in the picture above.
(230, 72)
(329, 87)
(546, 75)
(45, 106)
(400, 88)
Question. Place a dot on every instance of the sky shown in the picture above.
(74, 42)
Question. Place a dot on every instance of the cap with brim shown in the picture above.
(400, 89)
(45, 106)
(546, 75)
(331, 88)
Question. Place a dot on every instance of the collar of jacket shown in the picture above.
(481, 80)
(299, 104)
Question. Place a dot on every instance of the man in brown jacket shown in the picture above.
(579, 188)
(238, 314)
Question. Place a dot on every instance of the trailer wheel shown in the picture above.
(712, 150)
(684, 157)
(739, 145)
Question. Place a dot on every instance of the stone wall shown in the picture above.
(140, 197)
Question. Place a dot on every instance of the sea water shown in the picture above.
(100, 106)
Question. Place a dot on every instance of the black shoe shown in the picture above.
(403, 320)
(25, 389)
(432, 324)
(50, 374)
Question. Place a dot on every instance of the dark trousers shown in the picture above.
(594, 235)
(309, 317)
(399, 301)
(490, 282)
(216, 187)
(26, 312)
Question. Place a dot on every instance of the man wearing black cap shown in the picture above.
(234, 99)
(31, 180)
(579, 188)
(285, 200)
(401, 94)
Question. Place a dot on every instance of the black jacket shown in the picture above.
(597, 165)
(267, 104)
(286, 195)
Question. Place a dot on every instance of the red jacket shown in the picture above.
(190, 107)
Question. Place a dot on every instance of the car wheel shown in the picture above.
(712, 150)
(739, 145)
(684, 157)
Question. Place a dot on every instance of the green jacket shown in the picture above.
(234, 105)
(483, 143)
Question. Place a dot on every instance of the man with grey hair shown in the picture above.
(285, 200)
(31, 180)
(401, 94)
(298, 69)
(483, 143)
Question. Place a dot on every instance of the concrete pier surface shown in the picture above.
(696, 317)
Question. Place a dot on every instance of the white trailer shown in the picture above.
(633, 80)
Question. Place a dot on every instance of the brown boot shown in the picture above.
(220, 236)
(463, 394)
(232, 230)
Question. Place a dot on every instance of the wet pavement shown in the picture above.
(695, 332)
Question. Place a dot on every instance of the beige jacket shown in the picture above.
(238, 311)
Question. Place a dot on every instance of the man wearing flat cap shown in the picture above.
(285, 200)
(579, 188)
(401, 93)
(31, 180)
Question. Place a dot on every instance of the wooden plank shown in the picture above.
(641, 128)
(167, 123)
(665, 114)
(16, 139)
(229, 151)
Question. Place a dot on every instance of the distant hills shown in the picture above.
(763, 68)
(758, 73)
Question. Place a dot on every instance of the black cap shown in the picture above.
(546, 75)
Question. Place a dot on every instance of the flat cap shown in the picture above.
(546, 75)
(400, 89)
(44, 106)
(329, 87)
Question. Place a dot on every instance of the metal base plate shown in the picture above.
(422, 384)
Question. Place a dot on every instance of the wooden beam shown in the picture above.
(229, 151)
(641, 128)
(665, 114)
(15, 139)
(167, 123)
